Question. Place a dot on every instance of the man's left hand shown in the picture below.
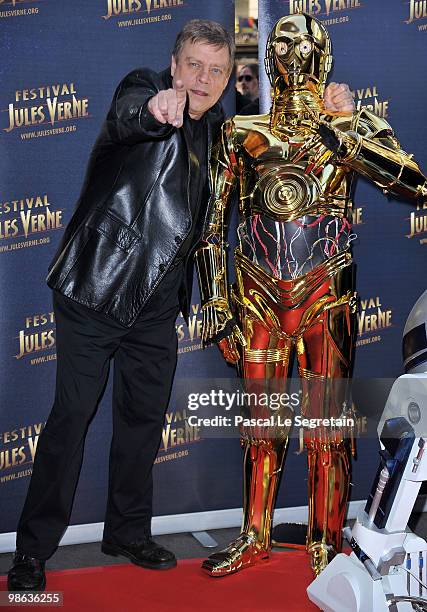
(338, 98)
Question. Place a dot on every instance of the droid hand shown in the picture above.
(340, 143)
(228, 341)
(229, 350)
(330, 138)
(220, 326)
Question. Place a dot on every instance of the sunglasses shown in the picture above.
(245, 77)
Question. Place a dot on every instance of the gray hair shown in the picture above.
(210, 32)
(253, 68)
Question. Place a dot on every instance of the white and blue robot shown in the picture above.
(387, 570)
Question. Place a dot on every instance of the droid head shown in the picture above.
(298, 54)
(415, 338)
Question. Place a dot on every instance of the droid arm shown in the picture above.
(211, 254)
(371, 149)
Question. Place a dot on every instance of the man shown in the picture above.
(120, 277)
(247, 102)
(248, 81)
(293, 168)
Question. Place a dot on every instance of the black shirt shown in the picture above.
(197, 136)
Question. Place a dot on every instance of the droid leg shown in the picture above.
(328, 489)
(261, 466)
(264, 362)
(324, 355)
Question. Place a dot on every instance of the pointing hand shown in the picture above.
(168, 105)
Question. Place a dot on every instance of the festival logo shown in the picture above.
(146, 11)
(36, 339)
(417, 10)
(418, 224)
(177, 435)
(17, 451)
(55, 109)
(372, 318)
(26, 221)
(369, 98)
(18, 8)
(189, 336)
(356, 216)
(330, 12)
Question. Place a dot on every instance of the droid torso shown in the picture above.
(294, 199)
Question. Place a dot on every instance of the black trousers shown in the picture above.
(144, 365)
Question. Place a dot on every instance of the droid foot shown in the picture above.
(321, 554)
(242, 553)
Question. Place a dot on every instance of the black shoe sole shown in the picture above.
(42, 587)
(115, 551)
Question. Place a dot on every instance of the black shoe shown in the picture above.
(145, 553)
(26, 574)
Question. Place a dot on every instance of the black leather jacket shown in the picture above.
(133, 212)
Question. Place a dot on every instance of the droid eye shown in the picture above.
(281, 48)
(305, 46)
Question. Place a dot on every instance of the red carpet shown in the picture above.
(278, 585)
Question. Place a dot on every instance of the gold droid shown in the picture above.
(294, 293)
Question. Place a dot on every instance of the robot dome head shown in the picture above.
(415, 338)
(299, 51)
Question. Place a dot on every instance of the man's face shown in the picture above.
(204, 69)
(248, 83)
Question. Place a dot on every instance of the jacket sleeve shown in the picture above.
(129, 121)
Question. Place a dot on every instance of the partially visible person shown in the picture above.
(247, 81)
(241, 102)
(247, 90)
